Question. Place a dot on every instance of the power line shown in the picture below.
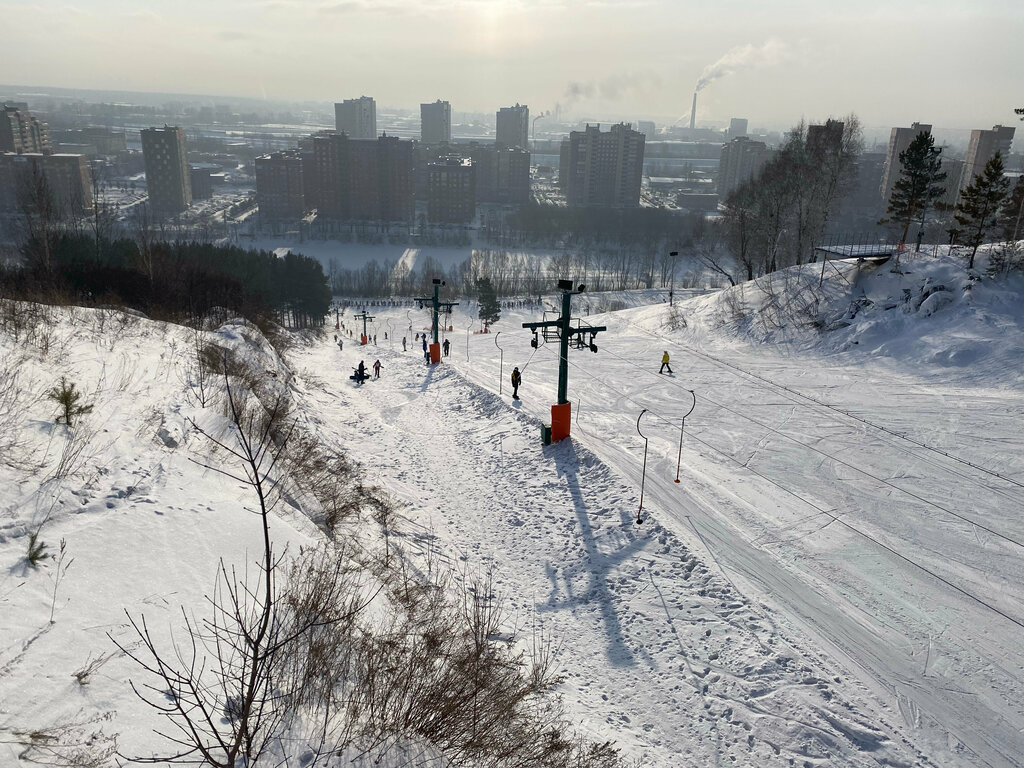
(835, 518)
(844, 463)
(836, 409)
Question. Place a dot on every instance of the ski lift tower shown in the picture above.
(436, 306)
(364, 317)
(567, 333)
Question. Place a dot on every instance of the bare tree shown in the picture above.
(42, 217)
(225, 690)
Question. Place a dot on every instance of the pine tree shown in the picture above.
(490, 311)
(919, 183)
(979, 207)
(69, 399)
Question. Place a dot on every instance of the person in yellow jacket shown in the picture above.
(664, 362)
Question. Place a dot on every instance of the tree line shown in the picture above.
(179, 281)
(776, 218)
(516, 273)
(987, 207)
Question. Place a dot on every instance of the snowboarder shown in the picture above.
(447, 345)
(516, 380)
(664, 362)
(376, 369)
(403, 343)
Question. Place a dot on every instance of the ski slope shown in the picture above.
(836, 575)
(835, 580)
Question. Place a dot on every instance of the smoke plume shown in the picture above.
(741, 57)
(611, 88)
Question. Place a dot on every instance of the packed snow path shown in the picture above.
(800, 595)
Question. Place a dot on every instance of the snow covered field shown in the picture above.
(836, 579)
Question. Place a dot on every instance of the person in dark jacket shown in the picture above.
(361, 376)
(517, 379)
(447, 345)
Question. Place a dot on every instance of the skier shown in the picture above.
(664, 362)
(447, 345)
(376, 369)
(403, 343)
(341, 343)
(424, 343)
(516, 380)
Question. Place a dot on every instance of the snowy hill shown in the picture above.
(836, 579)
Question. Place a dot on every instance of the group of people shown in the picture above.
(361, 375)
(517, 377)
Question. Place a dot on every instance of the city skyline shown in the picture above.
(952, 65)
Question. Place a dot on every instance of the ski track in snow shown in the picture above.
(652, 636)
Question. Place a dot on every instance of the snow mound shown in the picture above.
(926, 313)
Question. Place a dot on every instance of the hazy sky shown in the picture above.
(954, 64)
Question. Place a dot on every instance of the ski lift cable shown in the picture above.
(837, 519)
(836, 409)
(836, 459)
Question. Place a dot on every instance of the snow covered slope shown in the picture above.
(835, 580)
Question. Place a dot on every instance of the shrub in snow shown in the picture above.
(69, 399)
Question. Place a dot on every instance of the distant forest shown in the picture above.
(183, 281)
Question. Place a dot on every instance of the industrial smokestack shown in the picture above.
(693, 112)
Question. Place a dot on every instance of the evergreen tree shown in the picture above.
(70, 400)
(490, 312)
(979, 207)
(919, 183)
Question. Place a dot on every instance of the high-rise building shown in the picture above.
(357, 118)
(741, 159)
(21, 132)
(167, 174)
(502, 173)
(326, 179)
(362, 179)
(602, 169)
(279, 186)
(825, 138)
(647, 128)
(436, 122)
(982, 148)
(451, 190)
(899, 140)
(65, 178)
(737, 127)
(200, 181)
(512, 127)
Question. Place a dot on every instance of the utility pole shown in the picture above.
(435, 308)
(563, 330)
(364, 317)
